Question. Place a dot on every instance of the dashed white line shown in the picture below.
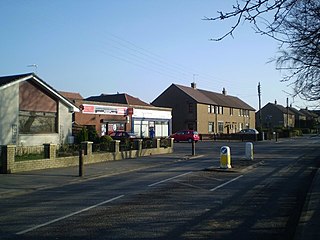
(230, 181)
(168, 179)
(69, 215)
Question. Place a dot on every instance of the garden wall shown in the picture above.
(50, 160)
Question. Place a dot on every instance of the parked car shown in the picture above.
(186, 135)
(122, 135)
(249, 131)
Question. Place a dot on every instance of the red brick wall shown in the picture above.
(97, 120)
(31, 98)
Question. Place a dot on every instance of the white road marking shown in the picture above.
(67, 216)
(222, 185)
(168, 179)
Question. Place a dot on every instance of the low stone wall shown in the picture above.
(9, 165)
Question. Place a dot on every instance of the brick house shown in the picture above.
(204, 111)
(32, 112)
(275, 115)
(311, 119)
(299, 117)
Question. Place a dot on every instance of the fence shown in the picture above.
(9, 164)
(229, 137)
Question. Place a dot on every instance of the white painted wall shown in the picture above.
(9, 112)
(9, 117)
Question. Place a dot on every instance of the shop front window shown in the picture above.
(115, 127)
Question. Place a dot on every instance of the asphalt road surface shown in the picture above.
(176, 197)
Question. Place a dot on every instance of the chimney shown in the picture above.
(275, 102)
(194, 85)
(224, 92)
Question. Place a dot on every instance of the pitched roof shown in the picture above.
(195, 94)
(121, 98)
(308, 113)
(296, 111)
(213, 98)
(226, 100)
(281, 108)
(316, 112)
(7, 81)
(71, 95)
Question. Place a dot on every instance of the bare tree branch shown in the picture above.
(295, 24)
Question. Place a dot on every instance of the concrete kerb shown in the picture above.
(241, 165)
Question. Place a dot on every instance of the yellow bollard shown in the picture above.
(225, 157)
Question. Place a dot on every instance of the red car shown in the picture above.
(122, 136)
(186, 135)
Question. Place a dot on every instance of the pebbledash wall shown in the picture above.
(9, 165)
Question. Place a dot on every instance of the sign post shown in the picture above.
(225, 158)
(81, 156)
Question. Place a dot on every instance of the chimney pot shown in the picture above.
(194, 85)
(224, 92)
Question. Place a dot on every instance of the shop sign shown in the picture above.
(99, 109)
(147, 113)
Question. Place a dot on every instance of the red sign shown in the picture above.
(129, 111)
(88, 108)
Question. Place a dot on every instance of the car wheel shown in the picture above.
(189, 140)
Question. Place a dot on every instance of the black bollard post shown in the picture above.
(81, 156)
(193, 143)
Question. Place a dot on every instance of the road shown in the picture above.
(176, 197)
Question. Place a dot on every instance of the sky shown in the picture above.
(138, 47)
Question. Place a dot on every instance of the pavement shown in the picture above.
(26, 182)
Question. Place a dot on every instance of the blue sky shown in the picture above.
(139, 47)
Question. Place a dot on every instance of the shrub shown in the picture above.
(148, 143)
(105, 139)
(83, 135)
(93, 134)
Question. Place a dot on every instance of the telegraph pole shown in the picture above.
(287, 113)
(260, 114)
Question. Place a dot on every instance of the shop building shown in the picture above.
(121, 112)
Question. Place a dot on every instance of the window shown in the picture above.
(162, 128)
(37, 122)
(211, 109)
(214, 109)
(231, 111)
(220, 127)
(211, 127)
(141, 128)
(221, 110)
